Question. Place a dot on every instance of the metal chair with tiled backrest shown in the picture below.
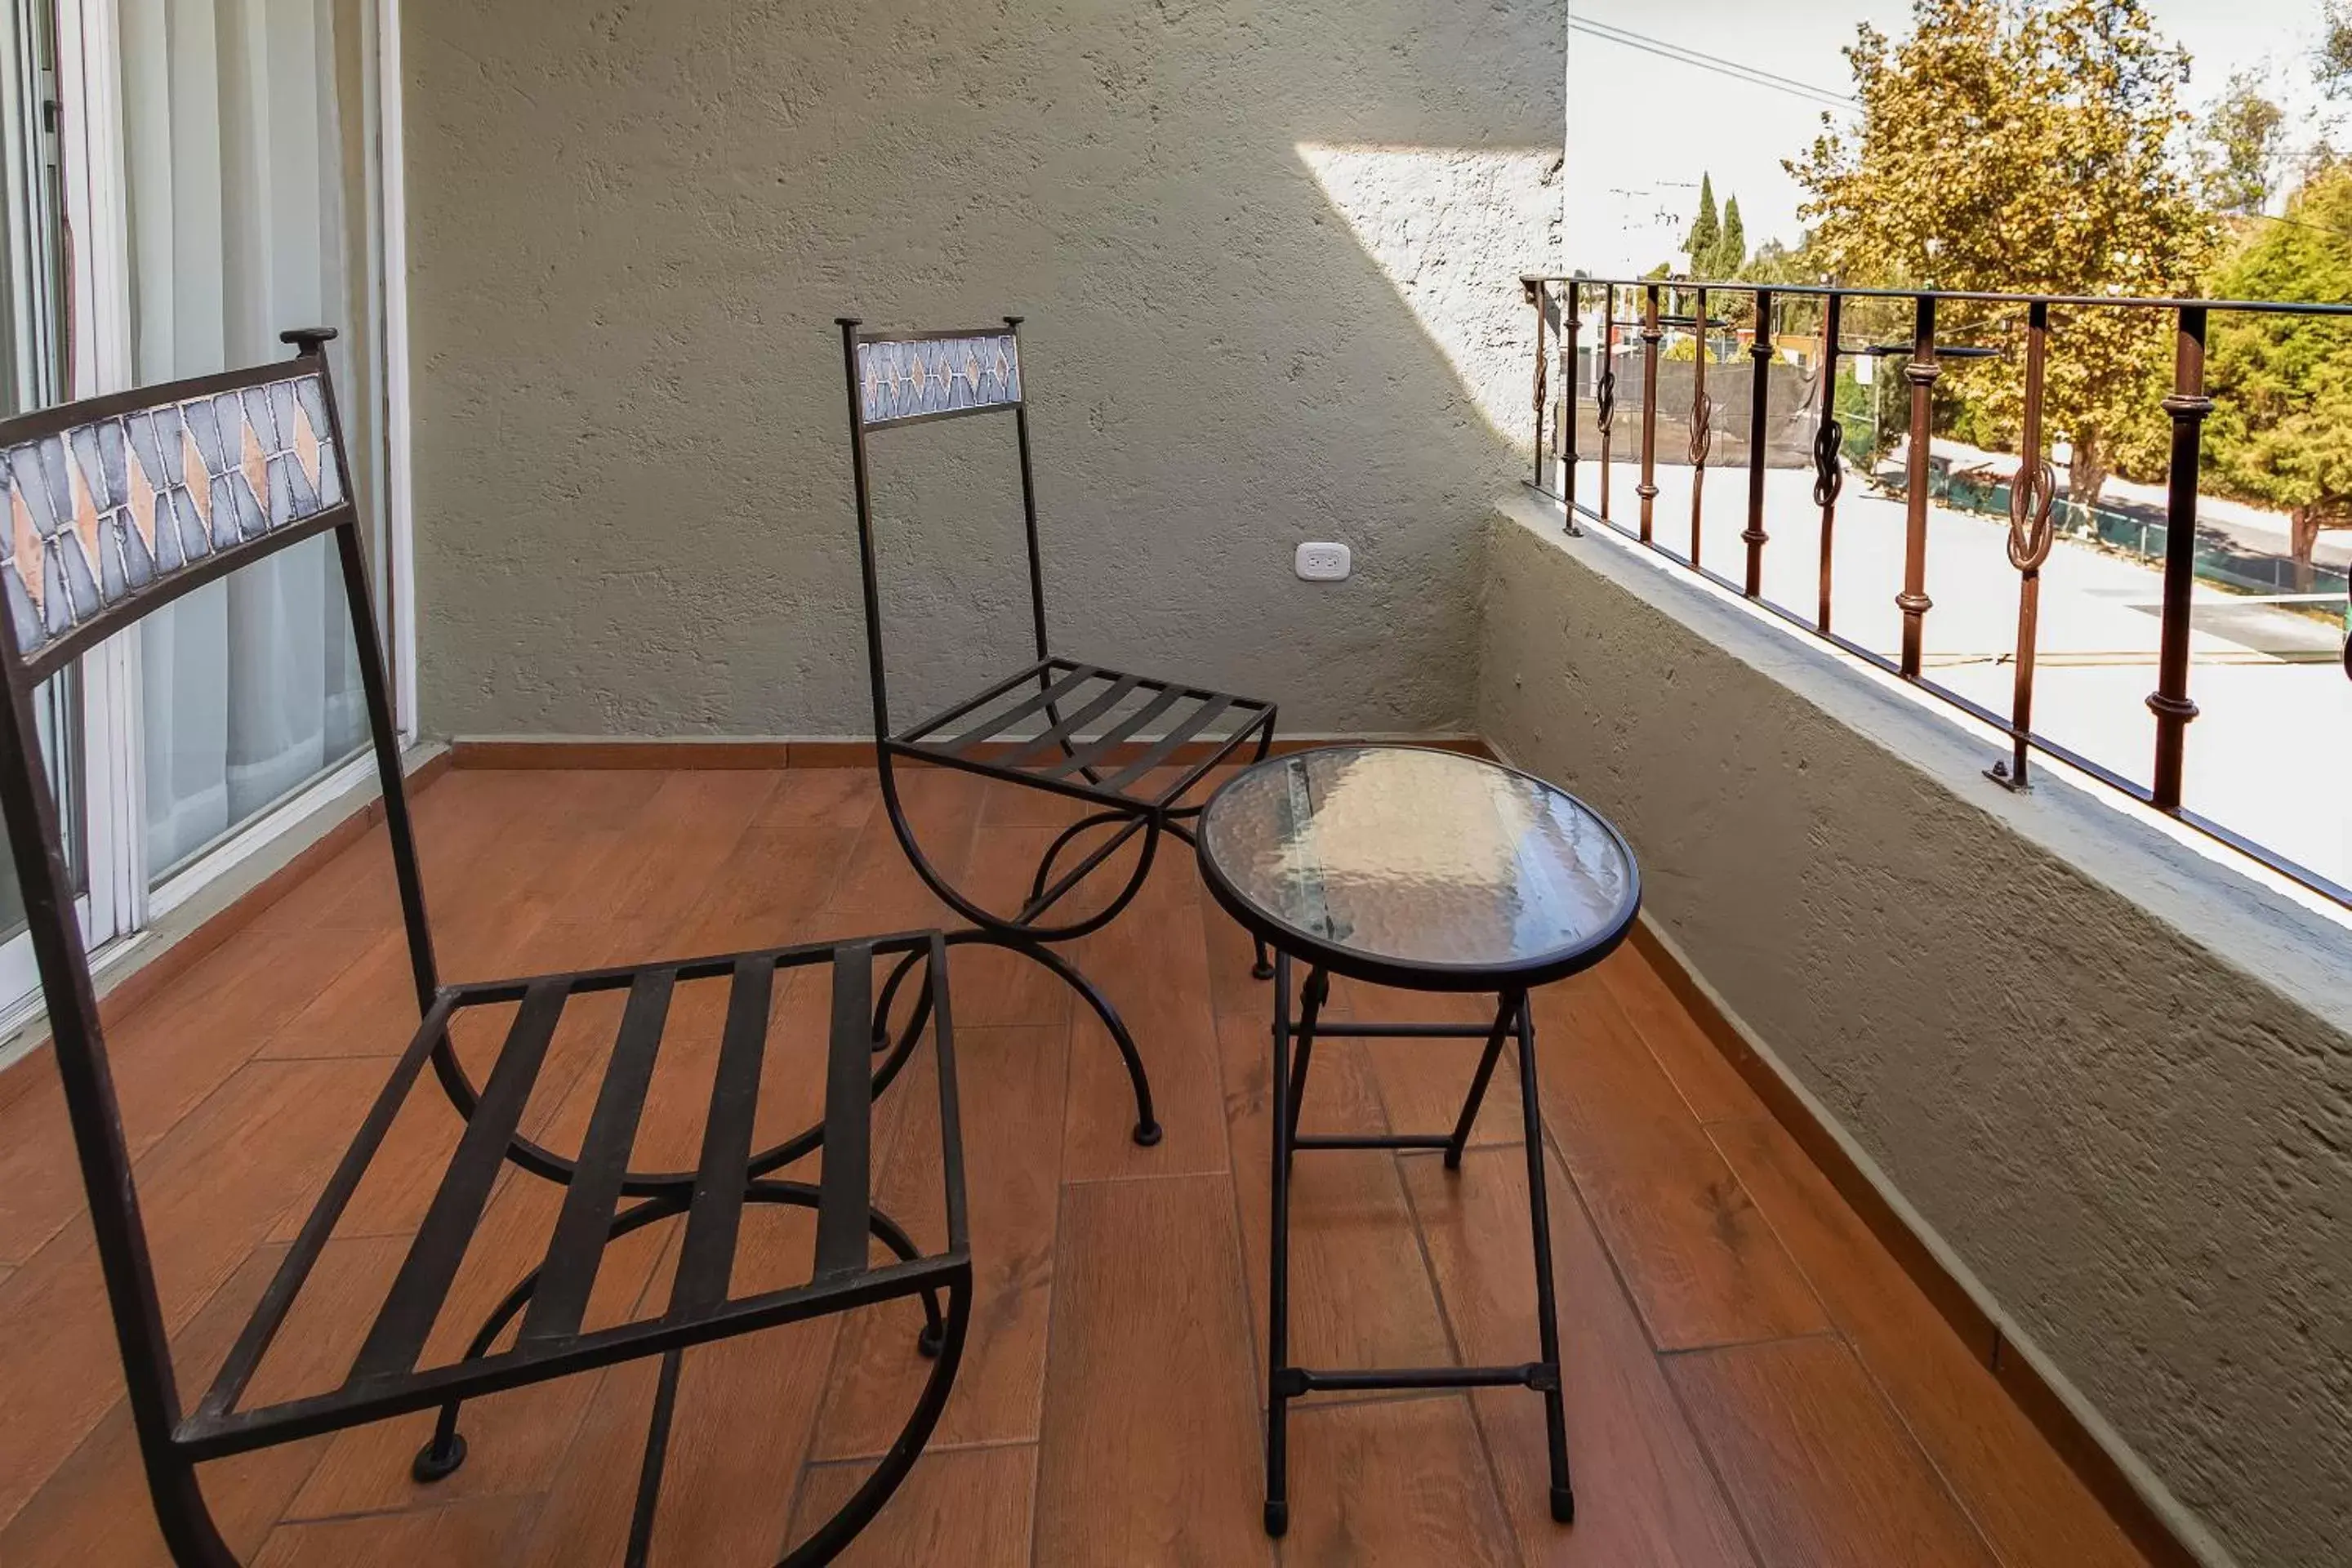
(1095, 735)
(118, 507)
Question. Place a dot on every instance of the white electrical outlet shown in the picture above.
(1323, 562)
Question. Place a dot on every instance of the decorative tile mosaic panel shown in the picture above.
(101, 511)
(936, 375)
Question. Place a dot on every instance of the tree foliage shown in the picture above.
(2331, 62)
(1717, 244)
(2239, 147)
(1705, 231)
(1731, 251)
(2031, 147)
(2280, 431)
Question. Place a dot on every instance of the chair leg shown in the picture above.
(1148, 1130)
(827, 1541)
(1260, 970)
(649, 1475)
(445, 1451)
(1563, 1496)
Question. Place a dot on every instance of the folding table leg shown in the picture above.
(1283, 1113)
(1461, 1139)
(1563, 1499)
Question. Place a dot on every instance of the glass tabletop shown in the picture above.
(1420, 858)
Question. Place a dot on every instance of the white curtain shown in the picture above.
(234, 144)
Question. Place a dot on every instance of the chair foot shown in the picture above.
(1148, 1134)
(1277, 1518)
(437, 1462)
(1453, 1158)
(1563, 1505)
(927, 1342)
(1260, 970)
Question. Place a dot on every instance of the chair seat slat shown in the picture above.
(706, 1258)
(1053, 738)
(401, 1328)
(577, 1247)
(1104, 744)
(1200, 719)
(1003, 721)
(843, 1198)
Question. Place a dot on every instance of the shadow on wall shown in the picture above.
(1268, 259)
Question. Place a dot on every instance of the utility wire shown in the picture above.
(1751, 75)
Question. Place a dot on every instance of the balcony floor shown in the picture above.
(1751, 1378)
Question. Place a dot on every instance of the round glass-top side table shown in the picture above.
(1425, 870)
(1420, 869)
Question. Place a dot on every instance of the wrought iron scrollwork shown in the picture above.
(1702, 435)
(1604, 397)
(2030, 497)
(1828, 474)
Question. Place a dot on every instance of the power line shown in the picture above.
(1751, 75)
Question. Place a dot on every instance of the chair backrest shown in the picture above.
(115, 507)
(910, 378)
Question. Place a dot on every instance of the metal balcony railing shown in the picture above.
(1777, 323)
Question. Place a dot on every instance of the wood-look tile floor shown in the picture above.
(1750, 1378)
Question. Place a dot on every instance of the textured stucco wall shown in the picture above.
(2108, 1106)
(1268, 254)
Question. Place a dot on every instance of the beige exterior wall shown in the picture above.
(1267, 254)
(2113, 1075)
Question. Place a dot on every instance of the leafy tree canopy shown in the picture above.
(2239, 147)
(2029, 147)
(2281, 430)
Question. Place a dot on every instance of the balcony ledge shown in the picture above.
(2136, 1121)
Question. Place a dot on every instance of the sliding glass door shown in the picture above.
(235, 133)
(184, 179)
(32, 375)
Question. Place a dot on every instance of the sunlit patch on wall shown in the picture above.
(1453, 228)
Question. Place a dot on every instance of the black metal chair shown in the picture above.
(123, 505)
(1094, 734)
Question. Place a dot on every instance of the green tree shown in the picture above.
(2281, 430)
(2239, 147)
(2332, 60)
(1731, 250)
(2025, 146)
(1705, 231)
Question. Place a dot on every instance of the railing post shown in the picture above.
(2169, 701)
(1760, 352)
(1702, 430)
(1921, 372)
(1535, 294)
(1829, 442)
(1651, 336)
(1604, 391)
(1564, 437)
(2029, 537)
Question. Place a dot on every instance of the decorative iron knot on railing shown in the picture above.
(1604, 398)
(2030, 533)
(1828, 474)
(1702, 435)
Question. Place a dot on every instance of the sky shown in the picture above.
(1641, 129)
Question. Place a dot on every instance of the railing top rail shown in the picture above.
(1971, 296)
